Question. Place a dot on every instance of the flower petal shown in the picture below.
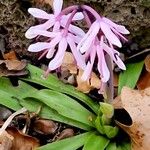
(57, 6)
(57, 61)
(119, 28)
(115, 56)
(76, 30)
(50, 53)
(87, 40)
(56, 40)
(102, 66)
(38, 13)
(39, 46)
(32, 33)
(56, 26)
(77, 16)
(112, 38)
(88, 70)
(78, 57)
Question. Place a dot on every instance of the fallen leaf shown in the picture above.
(117, 104)
(69, 67)
(10, 56)
(12, 68)
(147, 63)
(6, 141)
(49, 2)
(44, 126)
(69, 63)
(66, 133)
(22, 141)
(87, 86)
(14, 64)
(144, 81)
(137, 104)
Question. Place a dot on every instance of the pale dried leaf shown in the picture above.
(66, 133)
(117, 102)
(147, 63)
(6, 141)
(137, 104)
(87, 86)
(22, 141)
(14, 64)
(69, 63)
(45, 127)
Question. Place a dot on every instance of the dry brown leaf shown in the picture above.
(10, 56)
(69, 63)
(87, 86)
(12, 68)
(44, 126)
(22, 141)
(144, 81)
(66, 133)
(6, 141)
(117, 102)
(147, 63)
(49, 2)
(83, 86)
(137, 104)
(14, 64)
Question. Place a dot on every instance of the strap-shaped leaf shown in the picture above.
(64, 105)
(54, 83)
(72, 143)
(48, 113)
(96, 142)
(130, 77)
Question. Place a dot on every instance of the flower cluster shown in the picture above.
(101, 39)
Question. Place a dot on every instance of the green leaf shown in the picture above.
(110, 131)
(72, 143)
(54, 83)
(96, 142)
(46, 112)
(98, 125)
(130, 76)
(9, 92)
(126, 146)
(111, 146)
(8, 101)
(64, 105)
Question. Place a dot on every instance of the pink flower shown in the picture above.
(55, 20)
(109, 34)
(62, 40)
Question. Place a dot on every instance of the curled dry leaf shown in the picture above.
(87, 86)
(22, 141)
(43, 126)
(6, 141)
(137, 104)
(66, 133)
(12, 68)
(49, 2)
(69, 67)
(144, 81)
(10, 56)
(69, 63)
(147, 63)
